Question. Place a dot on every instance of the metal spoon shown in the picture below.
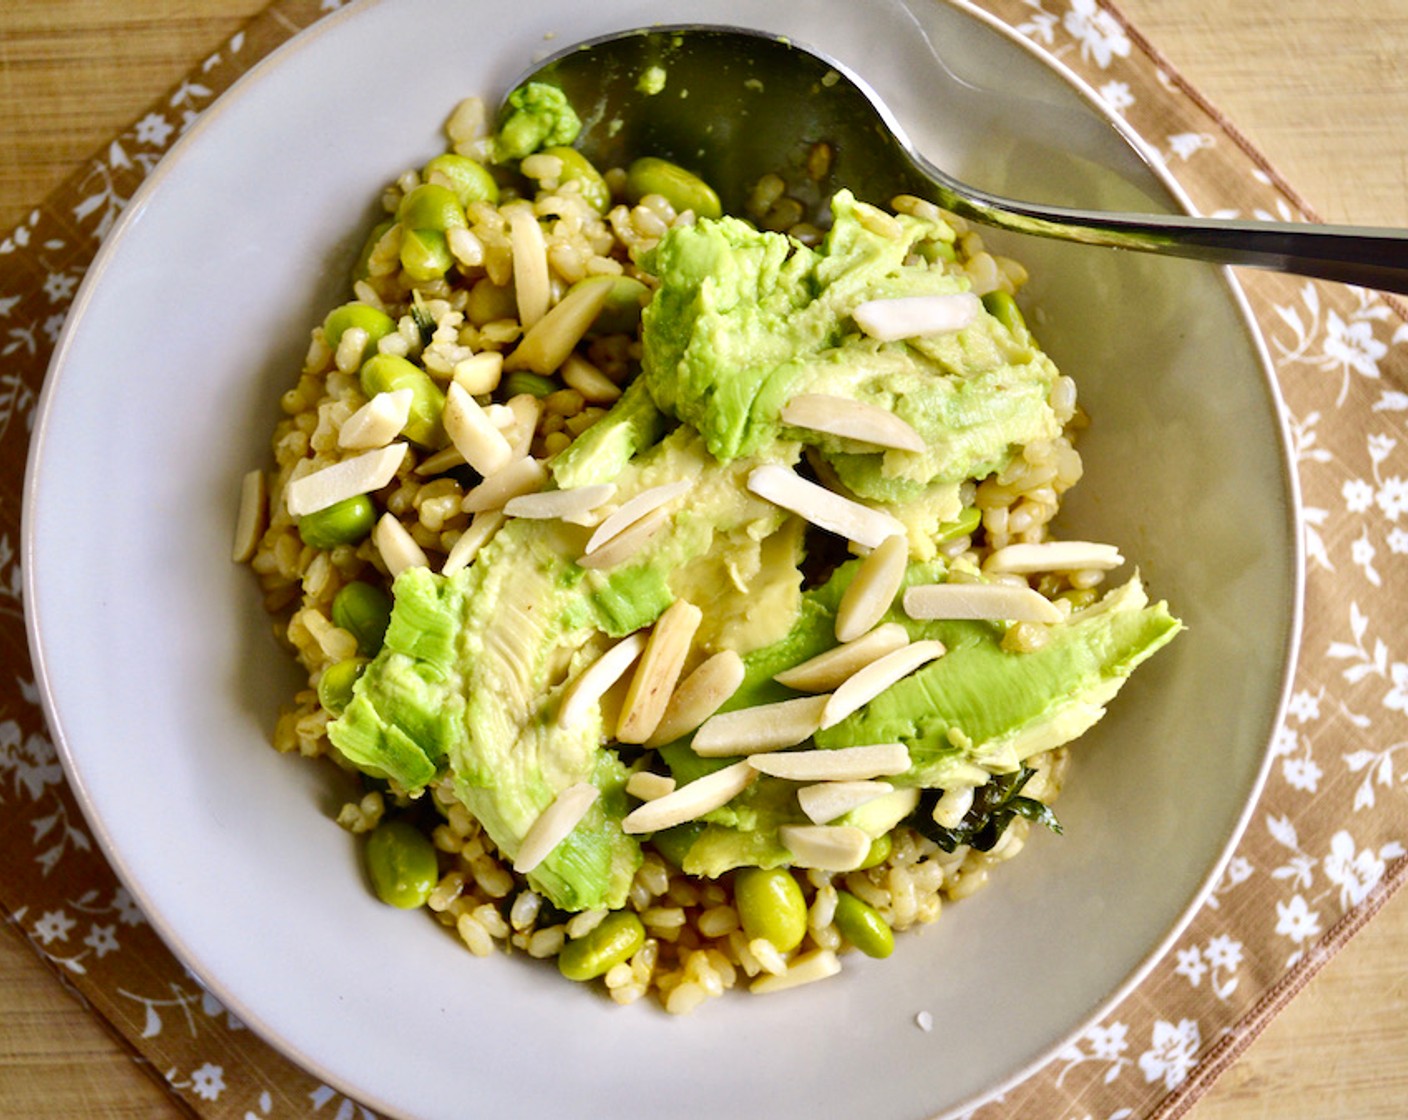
(743, 104)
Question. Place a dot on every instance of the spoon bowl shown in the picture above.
(735, 105)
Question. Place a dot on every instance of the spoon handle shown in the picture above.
(1370, 258)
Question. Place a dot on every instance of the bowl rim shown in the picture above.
(188, 957)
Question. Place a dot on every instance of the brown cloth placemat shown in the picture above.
(1326, 843)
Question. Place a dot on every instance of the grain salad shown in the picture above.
(680, 587)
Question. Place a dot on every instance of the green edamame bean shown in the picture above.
(425, 254)
(1002, 307)
(344, 522)
(880, 849)
(964, 524)
(534, 384)
(470, 180)
(359, 270)
(401, 863)
(376, 323)
(384, 373)
(335, 685)
(861, 925)
(364, 611)
(576, 168)
(936, 251)
(624, 303)
(431, 206)
(771, 906)
(615, 939)
(680, 188)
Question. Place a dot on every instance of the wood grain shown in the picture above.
(1320, 86)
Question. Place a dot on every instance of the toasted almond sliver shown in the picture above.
(699, 696)
(548, 340)
(1054, 556)
(994, 601)
(890, 320)
(500, 415)
(825, 671)
(398, 548)
(763, 727)
(594, 681)
(648, 785)
(522, 476)
(595, 386)
(566, 505)
(864, 686)
(658, 671)
(554, 824)
(531, 284)
(841, 416)
(624, 545)
(467, 424)
(691, 800)
(482, 526)
(819, 964)
(633, 509)
(254, 510)
(838, 764)
(826, 801)
(377, 422)
(446, 459)
(873, 588)
(479, 373)
(527, 409)
(953, 806)
(361, 474)
(826, 847)
(855, 522)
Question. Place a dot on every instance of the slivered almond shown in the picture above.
(1054, 556)
(595, 386)
(566, 505)
(995, 601)
(377, 422)
(554, 825)
(821, 507)
(633, 509)
(873, 588)
(658, 671)
(890, 320)
(467, 424)
(826, 801)
(624, 545)
(548, 340)
(839, 764)
(648, 785)
(531, 285)
(482, 526)
(361, 474)
(447, 458)
(826, 847)
(699, 696)
(691, 800)
(819, 964)
(953, 806)
(521, 476)
(826, 670)
(864, 686)
(526, 409)
(500, 415)
(479, 373)
(594, 681)
(763, 727)
(253, 515)
(841, 416)
(398, 548)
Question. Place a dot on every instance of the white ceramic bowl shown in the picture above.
(162, 681)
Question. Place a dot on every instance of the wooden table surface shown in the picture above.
(1321, 86)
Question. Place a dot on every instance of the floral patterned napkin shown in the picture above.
(1325, 847)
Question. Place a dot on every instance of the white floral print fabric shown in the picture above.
(1327, 841)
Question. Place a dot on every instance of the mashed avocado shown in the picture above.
(468, 686)
(540, 117)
